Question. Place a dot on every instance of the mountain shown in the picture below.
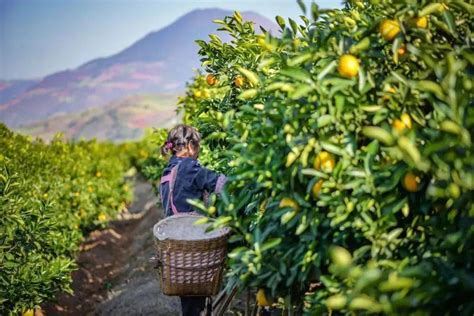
(10, 89)
(160, 62)
(121, 120)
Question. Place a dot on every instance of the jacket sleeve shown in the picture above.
(208, 180)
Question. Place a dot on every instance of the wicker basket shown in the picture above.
(189, 265)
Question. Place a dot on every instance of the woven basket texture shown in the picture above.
(191, 265)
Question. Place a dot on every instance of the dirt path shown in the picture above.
(115, 276)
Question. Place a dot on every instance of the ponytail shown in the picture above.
(179, 137)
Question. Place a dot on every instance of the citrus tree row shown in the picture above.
(50, 196)
(347, 139)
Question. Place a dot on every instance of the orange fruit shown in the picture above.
(296, 43)
(348, 66)
(102, 217)
(211, 79)
(403, 123)
(422, 22)
(398, 125)
(402, 50)
(324, 161)
(411, 182)
(389, 90)
(262, 299)
(389, 29)
(288, 202)
(197, 94)
(29, 312)
(406, 119)
(317, 188)
(239, 81)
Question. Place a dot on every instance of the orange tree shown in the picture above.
(211, 101)
(149, 161)
(51, 195)
(349, 154)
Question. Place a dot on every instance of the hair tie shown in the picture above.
(169, 145)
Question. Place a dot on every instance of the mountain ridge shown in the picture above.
(159, 62)
(118, 121)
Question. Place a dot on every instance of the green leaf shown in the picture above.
(302, 6)
(365, 303)
(340, 256)
(251, 76)
(280, 21)
(300, 91)
(314, 11)
(248, 94)
(360, 46)
(333, 149)
(336, 302)
(238, 17)
(272, 243)
(409, 149)
(430, 86)
(299, 59)
(430, 8)
(297, 73)
(326, 70)
(324, 120)
(294, 26)
(379, 134)
(288, 216)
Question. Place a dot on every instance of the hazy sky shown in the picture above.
(39, 37)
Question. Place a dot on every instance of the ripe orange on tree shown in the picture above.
(348, 66)
(422, 22)
(411, 182)
(317, 188)
(262, 299)
(289, 202)
(403, 123)
(324, 161)
(402, 50)
(239, 81)
(292, 80)
(211, 79)
(389, 29)
(29, 312)
(197, 94)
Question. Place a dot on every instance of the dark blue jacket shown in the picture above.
(192, 180)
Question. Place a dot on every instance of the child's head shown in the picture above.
(183, 141)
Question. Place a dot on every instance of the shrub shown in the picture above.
(349, 151)
(50, 195)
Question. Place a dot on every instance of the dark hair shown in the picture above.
(179, 137)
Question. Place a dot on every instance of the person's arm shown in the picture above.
(208, 180)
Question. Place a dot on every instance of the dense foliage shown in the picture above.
(50, 195)
(348, 142)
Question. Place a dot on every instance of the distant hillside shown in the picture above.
(160, 62)
(118, 121)
(10, 89)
